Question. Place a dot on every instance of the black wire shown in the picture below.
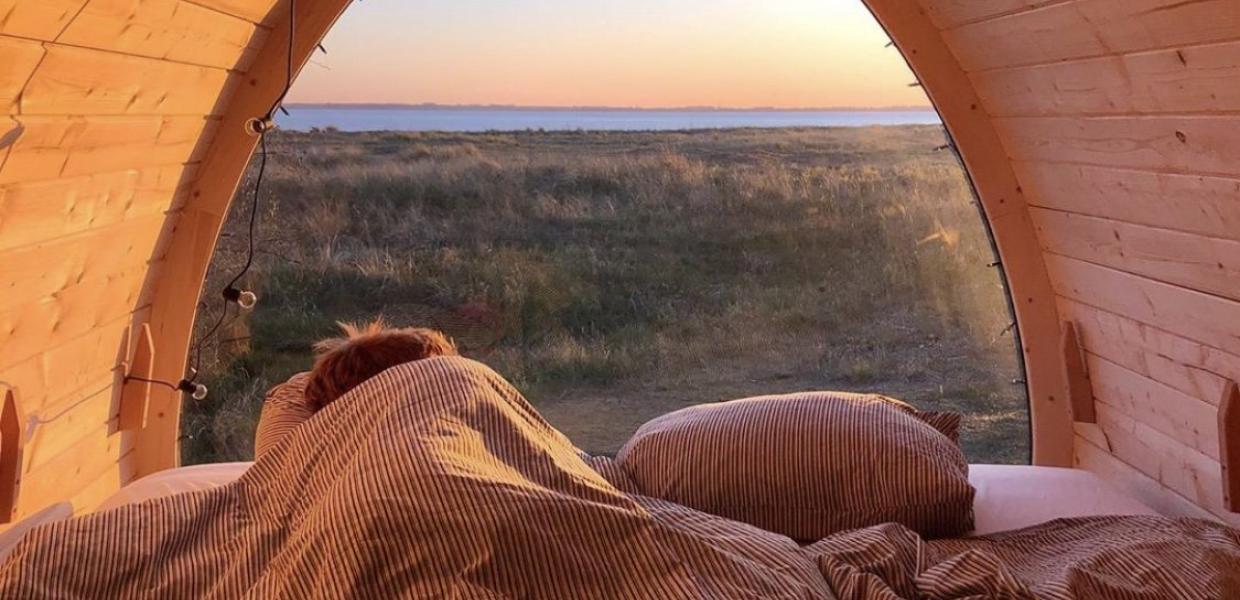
(155, 381)
(258, 186)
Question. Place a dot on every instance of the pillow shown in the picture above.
(807, 465)
(284, 409)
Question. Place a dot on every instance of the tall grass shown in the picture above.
(616, 276)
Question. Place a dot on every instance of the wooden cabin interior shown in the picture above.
(1102, 136)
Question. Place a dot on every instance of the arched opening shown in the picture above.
(699, 266)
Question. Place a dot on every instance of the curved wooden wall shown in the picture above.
(1103, 137)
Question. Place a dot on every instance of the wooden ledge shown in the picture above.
(1229, 445)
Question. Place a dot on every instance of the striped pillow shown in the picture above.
(284, 409)
(808, 465)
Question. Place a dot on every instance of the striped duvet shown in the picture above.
(436, 479)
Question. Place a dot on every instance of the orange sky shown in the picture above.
(644, 53)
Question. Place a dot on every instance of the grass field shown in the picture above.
(617, 276)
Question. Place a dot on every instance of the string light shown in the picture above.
(231, 294)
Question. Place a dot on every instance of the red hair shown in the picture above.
(343, 363)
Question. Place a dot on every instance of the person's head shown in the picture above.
(364, 351)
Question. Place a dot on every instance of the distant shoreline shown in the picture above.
(632, 109)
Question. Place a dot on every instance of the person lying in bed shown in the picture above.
(341, 364)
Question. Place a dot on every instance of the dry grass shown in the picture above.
(616, 276)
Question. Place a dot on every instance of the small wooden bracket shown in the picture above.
(1229, 445)
(1080, 391)
(12, 442)
(136, 395)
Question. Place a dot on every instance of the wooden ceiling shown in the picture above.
(1103, 137)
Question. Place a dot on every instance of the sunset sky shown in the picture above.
(631, 53)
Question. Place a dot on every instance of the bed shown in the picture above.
(445, 482)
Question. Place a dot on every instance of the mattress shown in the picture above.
(1013, 497)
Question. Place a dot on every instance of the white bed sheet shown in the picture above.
(1018, 496)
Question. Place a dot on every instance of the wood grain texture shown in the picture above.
(256, 11)
(1184, 259)
(33, 329)
(1200, 204)
(175, 30)
(42, 272)
(1162, 458)
(1190, 421)
(77, 81)
(48, 210)
(948, 14)
(18, 59)
(1141, 485)
(1206, 319)
(1202, 145)
(69, 371)
(1092, 28)
(58, 147)
(37, 19)
(1077, 386)
(1193, 79)
(1191, 367)
(56, 428)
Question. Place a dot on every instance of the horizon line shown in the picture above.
(586, 108)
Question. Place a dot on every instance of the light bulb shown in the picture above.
(259, 126)
(244, 299)
(248, 300)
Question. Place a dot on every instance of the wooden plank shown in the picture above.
(1090, 28)
(1229, 446)
(1163, 459)
(256, 11)
(36, 212)
(72, 369)
(947, 14)
(1190, 203)
(67, 473)
(1181, 80)
(78, 81)
(56, 147)
(1077, 384)
(18, 59)
(107, 483)
(169, 29)
(1196, 144)
(1190, 367)
(38, 19)
(32, 329)
(12, 448)
(1185, 259)
(1203, 318)
(1190, 421)
(136, 402)
(1138, 484)
(1093, 433)
(54, 429)
(44, 271)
